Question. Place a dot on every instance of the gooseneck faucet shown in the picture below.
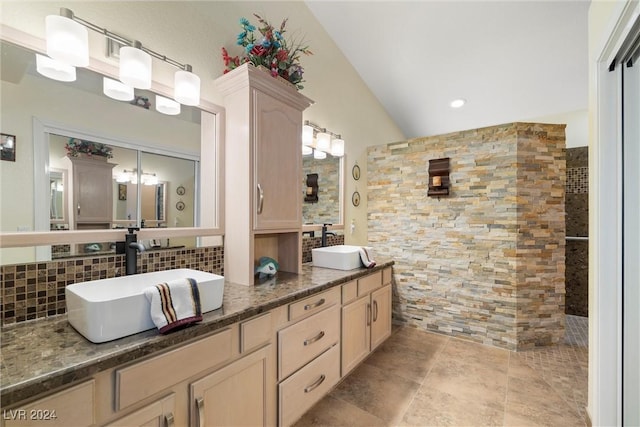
(131, 247)
(326, 233)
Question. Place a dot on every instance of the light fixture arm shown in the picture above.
(68, 13)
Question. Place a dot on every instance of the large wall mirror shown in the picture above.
(322, 202)
(151, 177)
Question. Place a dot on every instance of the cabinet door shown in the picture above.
(235, 395)
(278, 163)
(356, 337)
(92, 191)
(380, 315)
(157, 414)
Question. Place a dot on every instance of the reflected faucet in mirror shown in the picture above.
(326, 233)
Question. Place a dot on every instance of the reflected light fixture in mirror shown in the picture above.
(323, 141)
(319, 155)
(306, 150)
(135, 66)
(337, 147)
(307, 136)
(167, 106)
(67, 40)
(55, 70)
(117, 90)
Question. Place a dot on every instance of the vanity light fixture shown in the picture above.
(54, 69)
(167, 106)
(117, 90)
(67, 41)
(306, 150)
(321, 139)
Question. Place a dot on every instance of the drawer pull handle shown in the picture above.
(313, 386)
(314, 339)
(314, 305)
(200, 406)
(375, 310)
(260, 200)
(168, 420)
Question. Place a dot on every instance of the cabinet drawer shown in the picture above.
(369, 283)
(143, 379)
(386, 276)
(349, 291)
(255, 332)
(71, 407)
(299, 310)
(158, 413)
(303, 389)
(300, 343)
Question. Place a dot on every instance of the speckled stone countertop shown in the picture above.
(43, 355)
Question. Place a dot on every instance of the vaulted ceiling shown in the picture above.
(510, 60)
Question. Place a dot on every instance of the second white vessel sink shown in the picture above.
(340, 257)
(108, 309)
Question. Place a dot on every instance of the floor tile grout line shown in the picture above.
(506, 394)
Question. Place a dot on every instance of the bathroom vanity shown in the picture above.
(264, 358)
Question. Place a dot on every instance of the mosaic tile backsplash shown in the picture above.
(309, 243)
(35, 290)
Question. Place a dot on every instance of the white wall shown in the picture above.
(194, 32)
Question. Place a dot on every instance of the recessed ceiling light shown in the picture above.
(457, 103)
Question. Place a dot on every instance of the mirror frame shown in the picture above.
(341, 186)
(210, 214)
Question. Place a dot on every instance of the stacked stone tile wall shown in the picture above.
(486, 262)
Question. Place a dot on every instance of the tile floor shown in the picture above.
(421, 379)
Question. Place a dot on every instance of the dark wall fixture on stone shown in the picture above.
(311, 195)
(439, 177)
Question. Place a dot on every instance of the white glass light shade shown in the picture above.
(187, 88)
(55, 70)
(323, 142)
(307, 135)
(122, 177)
(337, 147)
(149, 179)
(306, 150)
(167, 106)
(135, 67)
(67, 41)
(319, 155)
(117, 90)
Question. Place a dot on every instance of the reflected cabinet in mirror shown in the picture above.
(322, 186)
(89, 162)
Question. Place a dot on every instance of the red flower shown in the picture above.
(282, 55)
(258, 50)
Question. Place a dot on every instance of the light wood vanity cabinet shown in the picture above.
(366, 317)
(157, 414)
(92, 192)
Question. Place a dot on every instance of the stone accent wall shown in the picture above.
(577, 272)
(35, 290)
(487, 262)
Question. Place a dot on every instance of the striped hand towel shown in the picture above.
(174, 304)
(365, 257)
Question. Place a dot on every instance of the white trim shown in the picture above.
(605, 228)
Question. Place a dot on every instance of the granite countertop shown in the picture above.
(42, 355)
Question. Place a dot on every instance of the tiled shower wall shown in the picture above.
(577, 272)
(35, 290)
(487, 262)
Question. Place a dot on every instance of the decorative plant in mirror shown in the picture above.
(270, 50)
(75, 147)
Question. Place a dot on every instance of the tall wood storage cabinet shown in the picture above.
(263, 161)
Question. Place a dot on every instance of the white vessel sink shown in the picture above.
(340, 257)
(108, 309)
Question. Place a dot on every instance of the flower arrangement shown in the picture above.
(270, 50)
(76, 146)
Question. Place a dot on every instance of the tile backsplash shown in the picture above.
(35, 290)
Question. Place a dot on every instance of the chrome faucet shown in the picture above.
(132, 246)
(326, 233)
